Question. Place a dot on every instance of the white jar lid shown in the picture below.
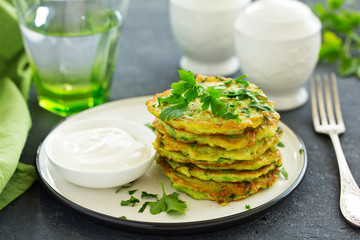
(277, 20)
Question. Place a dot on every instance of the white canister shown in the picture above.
(204, 31)
(277, 43)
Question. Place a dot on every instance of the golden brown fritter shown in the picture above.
(229, 142)
(191, 170)
(197, 121)
(207, 153)
(221, 192)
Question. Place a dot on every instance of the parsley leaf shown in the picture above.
(142, 209)
(124, 186)
(168, 203)
(331, 47)
(131, 192)
(150, 126)
(263, 107)
(187, 86)
(188, 76)
(148, 195)
(301, 151)
(132, 201)
(281, 144)
(248, 206)
(211, 99)
(173, 111)
(284, 173)
(122, 217)
(240, 80)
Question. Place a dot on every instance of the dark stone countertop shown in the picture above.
(148, 63)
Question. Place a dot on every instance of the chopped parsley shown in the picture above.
(301, 151)
(132, 201)
(284, 173)
(187, 90)
(243, 82)
(122, 217)
(248, 206)
(124, 186)
(150, 126)
(281, 144)
(148, 195)
(131, 192)
(143, 207)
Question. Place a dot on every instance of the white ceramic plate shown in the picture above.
(201, 215)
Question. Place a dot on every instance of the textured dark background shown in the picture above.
(148, 63)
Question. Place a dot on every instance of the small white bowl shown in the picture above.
(103, 178)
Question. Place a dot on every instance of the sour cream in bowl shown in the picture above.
(101, 153)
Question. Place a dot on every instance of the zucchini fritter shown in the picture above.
(269, 157)
(207, 153)
(222, 175)
(229, 142)
(221, 192)
(197, 121)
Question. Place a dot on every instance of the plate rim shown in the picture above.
(178, 228)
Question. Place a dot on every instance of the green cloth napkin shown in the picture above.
(15, 120)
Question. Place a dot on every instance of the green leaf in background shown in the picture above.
(341, 41)
(358, 70)
(335, 4)
(348, 66)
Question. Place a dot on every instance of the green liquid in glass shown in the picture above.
(72, 48)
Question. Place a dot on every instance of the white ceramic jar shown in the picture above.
(277, 43)
(204, 31)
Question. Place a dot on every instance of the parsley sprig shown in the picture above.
(168, 203)
(341, 39)
(187, 90)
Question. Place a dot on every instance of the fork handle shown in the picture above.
(349, 191)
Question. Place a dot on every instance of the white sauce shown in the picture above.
(100, 149)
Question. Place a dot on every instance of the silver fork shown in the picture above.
(333, 126)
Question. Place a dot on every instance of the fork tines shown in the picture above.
(326, 109)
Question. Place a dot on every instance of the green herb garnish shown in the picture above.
(168, 203)
(143, 207)
(301, 151)
(122, 217)
(148, 195)
(124, 187)
(132, 201)
(187, 90)
(240, 80)
(150, 126)
(248, 206)
(341, 39)
(131, 192)
(284, 173)
(280, 144)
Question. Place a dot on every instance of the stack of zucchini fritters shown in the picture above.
(211, 157)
